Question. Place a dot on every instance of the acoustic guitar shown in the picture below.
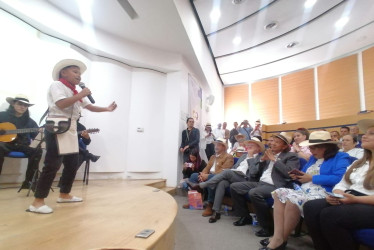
(8, 131)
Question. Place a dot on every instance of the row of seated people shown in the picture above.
(262, 174)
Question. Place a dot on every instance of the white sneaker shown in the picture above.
(73, 199)
(40, 210)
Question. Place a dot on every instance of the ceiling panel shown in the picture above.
(264, 53)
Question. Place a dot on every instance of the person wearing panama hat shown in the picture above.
(64, 100)
(240, 138)
(240, 172)
(220, 161)
(321, 173)
(18, 114)
(333, 220)
(269, 174)
(207, 140)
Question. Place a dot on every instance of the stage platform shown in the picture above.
(112, 213)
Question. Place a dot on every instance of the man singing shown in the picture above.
(63, 101)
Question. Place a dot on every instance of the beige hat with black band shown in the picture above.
(318, 137)
(19, 98)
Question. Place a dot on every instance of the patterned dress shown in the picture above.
(309, 191)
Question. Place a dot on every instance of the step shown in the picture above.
(169, 190)
(157, 184)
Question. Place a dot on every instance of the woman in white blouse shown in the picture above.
(330, 221)
(349, 143)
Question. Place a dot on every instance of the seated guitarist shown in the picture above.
(18, 114)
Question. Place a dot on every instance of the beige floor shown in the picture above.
(112, 213)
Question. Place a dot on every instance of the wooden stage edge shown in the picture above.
(112, 213)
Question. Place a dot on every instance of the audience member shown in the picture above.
(219, 132)
(257, 131)
(344, 131)
(207, 140)
(349, 143)
(245, 129)
(335, 135)
(300, 135)
(233, 133)
(239, 152)
(18, 114)
(331, 221)
(190, 139)
(270, 141)
(217, 163)
(325, 168)
(226, 132)
(239, 142)
(355, 131)
(194, 164)
(271, 173)
(240, 172)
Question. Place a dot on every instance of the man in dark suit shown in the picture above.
(272, 173)
(190, 139)
(238, 173)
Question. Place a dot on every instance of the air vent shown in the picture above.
(236, 2)
(271, 26)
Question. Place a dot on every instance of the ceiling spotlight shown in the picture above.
(237, 40)
(341, 22)
(291, 45)
(215, 15)
(236, 2)
(309, 3)
(271, 26)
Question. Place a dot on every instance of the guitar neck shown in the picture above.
(21, 131)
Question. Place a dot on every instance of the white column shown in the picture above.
(361, 86)
(280, 100)
(316, 95)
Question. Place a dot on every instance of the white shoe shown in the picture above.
(40, 210)
(73, 199)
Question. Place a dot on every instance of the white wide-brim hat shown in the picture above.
(221, 141)
(284, 137)
(255, 140)
(365, 124)
(65, 63)
(318, 137)
(19, 98)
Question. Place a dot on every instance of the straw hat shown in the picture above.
(208, 124)
(240, 137)
(221, 141)
(284, 137)
(365, 124)
(19, 98)
(240, 150)
(318, 137)
(256, 141)
(65, 63)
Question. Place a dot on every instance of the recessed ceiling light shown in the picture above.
(215, 15)
(309, 3)
(237, 40)
(291, 45)
(341, 22)
(238, 1)
(271, 26)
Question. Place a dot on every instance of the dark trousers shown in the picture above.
(258, 193)
(209, 150)
(331, 226)
(33, 154)
(52, 164)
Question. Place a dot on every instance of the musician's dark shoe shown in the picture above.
(243, 221)
(266, 242)
(216, 216)
(94, 158)
(264, 233)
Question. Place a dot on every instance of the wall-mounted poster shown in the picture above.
(195, 97)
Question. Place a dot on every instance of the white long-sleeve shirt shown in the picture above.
(357, 178)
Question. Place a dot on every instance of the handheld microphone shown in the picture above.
(82, 85)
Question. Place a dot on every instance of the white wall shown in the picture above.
(147, 99)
